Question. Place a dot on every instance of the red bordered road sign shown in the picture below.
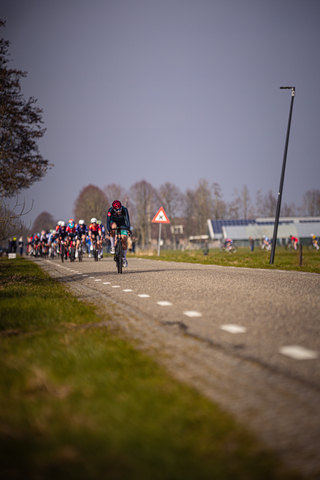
(160, 217)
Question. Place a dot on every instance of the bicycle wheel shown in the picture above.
(95, 252)
(119, 255)
(62, 253)
(80, 253)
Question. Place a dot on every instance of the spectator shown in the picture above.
(133, 244)
(21, 245)
(14, 245)
(251, 242)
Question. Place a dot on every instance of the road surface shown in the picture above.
(246, 338)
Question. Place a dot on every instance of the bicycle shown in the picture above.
(118, 254)
(94, 248)
(228, 248)
(72, 252)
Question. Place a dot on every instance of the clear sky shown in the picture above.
(170, 90)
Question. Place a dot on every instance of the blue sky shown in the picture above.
(170, 90)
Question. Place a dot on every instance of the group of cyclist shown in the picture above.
(77, 234)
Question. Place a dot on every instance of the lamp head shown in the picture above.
(293, 89)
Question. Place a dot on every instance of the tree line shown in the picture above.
(203, 202)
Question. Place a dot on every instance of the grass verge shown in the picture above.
(81, 403)
(284, 260)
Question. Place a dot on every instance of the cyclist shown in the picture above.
(43, 242)
(314, 242)
(82, 232)
(103, 237)
(95, 233)
(62, 234)
(228, 243)
(71, 232)
(294, 241)
(266, 242)
(118, 216)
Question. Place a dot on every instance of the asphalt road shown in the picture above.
(256, 331)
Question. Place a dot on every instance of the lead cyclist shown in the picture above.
(118, 216)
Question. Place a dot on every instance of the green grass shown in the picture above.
(82, 403)
(284, 260)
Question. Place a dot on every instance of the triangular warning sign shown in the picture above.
(160, 217)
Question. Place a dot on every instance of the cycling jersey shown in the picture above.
(62, 232)
(82, 230)
(103, 230)
(43, 238)
(120, 218)
(94, 229)
(71, 231)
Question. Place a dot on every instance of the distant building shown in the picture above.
(241, 230)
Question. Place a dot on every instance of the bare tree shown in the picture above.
(189, 210)
(44, 221)
(171, 199)
(10, 220)
(246, 209)
(259, 203)
(219, 206)
(204, 205)
(115, 192)
(311, 203)
(235, 205)
(144, 197)
(20, 129)
(269, 205)
(288, 210)
(91, 202)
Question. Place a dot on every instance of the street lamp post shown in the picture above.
(276, 221)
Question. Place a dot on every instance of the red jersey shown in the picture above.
(71, 230)
(95, 229)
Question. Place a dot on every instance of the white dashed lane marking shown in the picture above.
(192, 313)
(298, 353)
(293, 351)
(231, 328)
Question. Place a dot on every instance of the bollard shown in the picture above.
(300, 255)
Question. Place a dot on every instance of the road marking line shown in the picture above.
(91, 277)
(98, 280)
(106, 283)
(128, 290)
(298, 353)
(115, 286)
(164, 304)
(84, 275)
(143, 295)
(231, 328)
(192, 313)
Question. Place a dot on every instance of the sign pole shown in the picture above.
(160, 217)
(159, 239)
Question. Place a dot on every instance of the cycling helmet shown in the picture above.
(116, 205)
(62, 223)
(59, 223)
(81, 222)
(93, 220)
(43, 232)
(71, 220)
